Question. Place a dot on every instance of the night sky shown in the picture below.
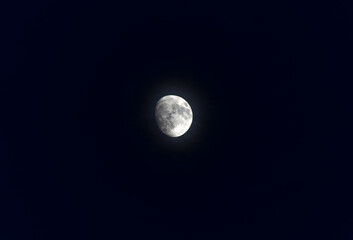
(269, 152)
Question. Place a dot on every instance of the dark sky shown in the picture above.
(268, 155)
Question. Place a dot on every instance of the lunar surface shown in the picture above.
(173, 115)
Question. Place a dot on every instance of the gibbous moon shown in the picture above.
(173, 115)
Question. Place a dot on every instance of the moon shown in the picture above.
(173, 115)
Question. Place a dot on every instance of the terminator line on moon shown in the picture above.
(173, 115)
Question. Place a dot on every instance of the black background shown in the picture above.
(268, 154)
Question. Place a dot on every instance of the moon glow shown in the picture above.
(173, 115)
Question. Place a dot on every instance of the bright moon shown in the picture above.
(173, 115)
